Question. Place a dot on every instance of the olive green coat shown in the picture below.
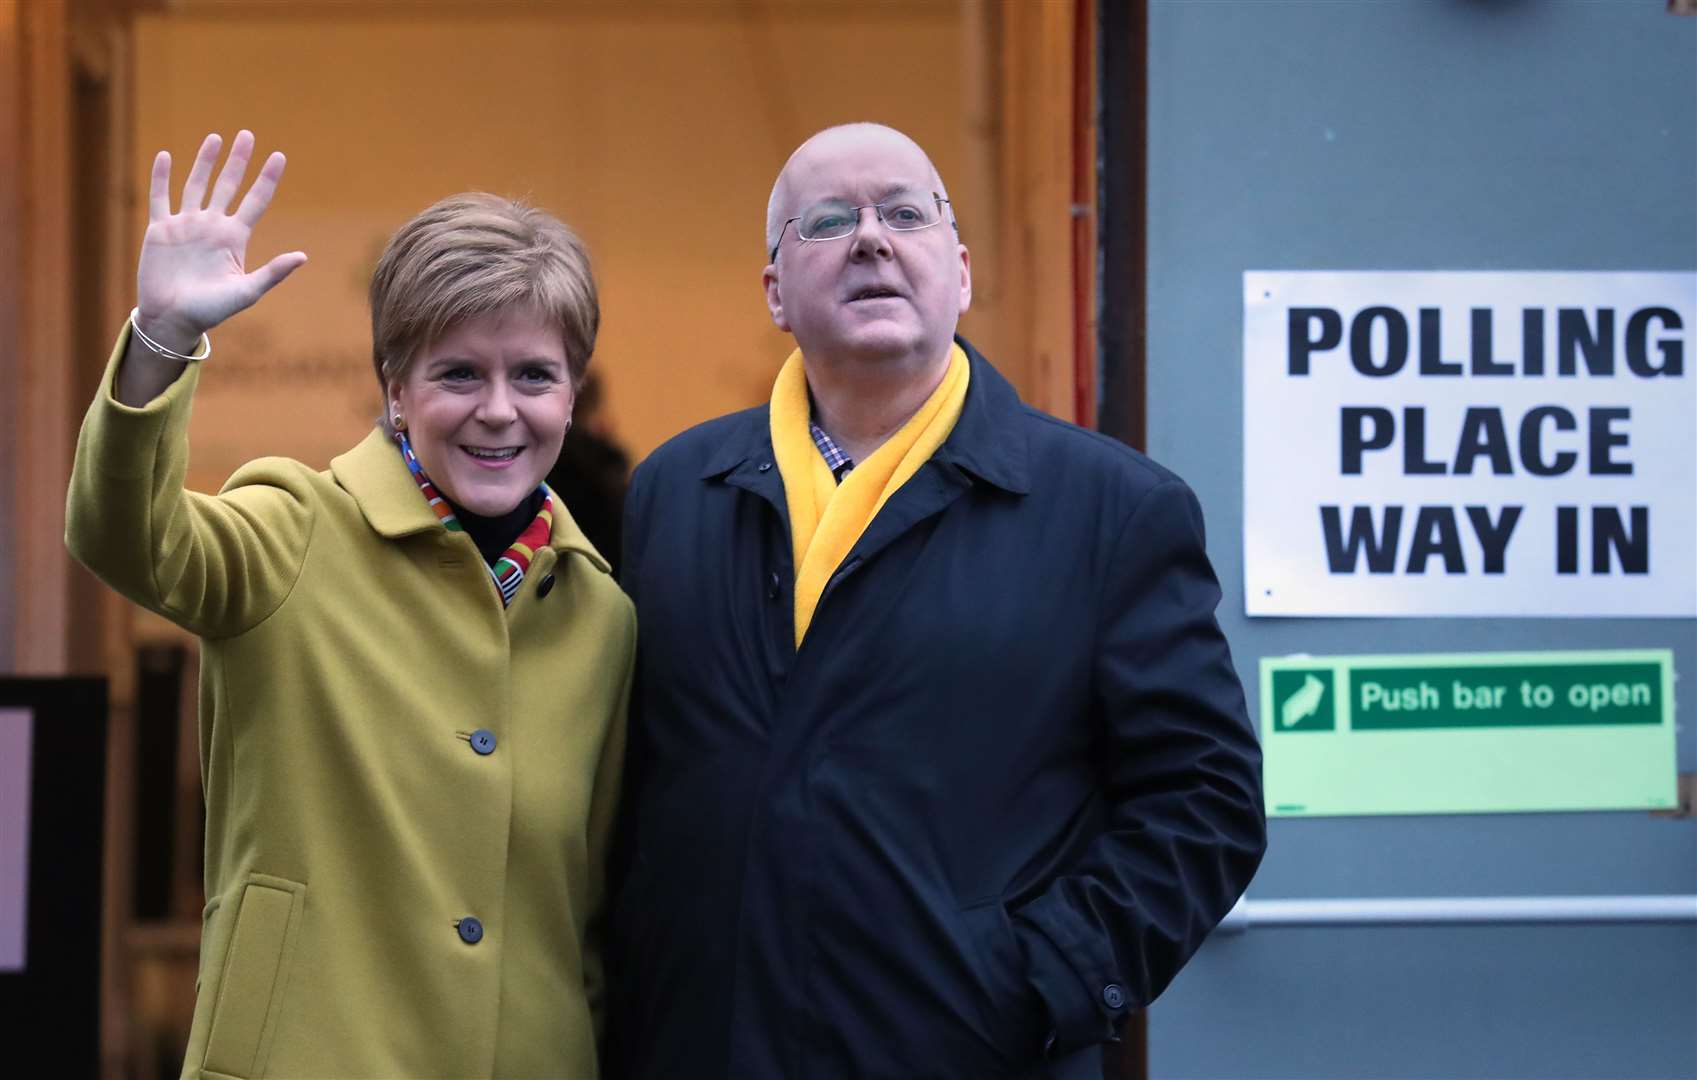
(350, 647)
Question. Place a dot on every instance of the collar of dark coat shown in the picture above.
(374, 474)
(988, 442)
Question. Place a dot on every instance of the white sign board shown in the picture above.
(16, 736)
(1469, 444)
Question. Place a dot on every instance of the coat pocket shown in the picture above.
(253, 976)
(1013, 1011)
(206, 939)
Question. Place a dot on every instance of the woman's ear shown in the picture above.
(392, 405)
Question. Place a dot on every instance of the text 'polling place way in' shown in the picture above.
(1469, 443)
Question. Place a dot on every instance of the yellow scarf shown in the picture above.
(826, 518)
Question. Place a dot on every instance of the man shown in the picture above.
(939, 763)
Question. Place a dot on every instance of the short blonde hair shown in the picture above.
(470, 255)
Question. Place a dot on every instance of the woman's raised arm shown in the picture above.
(216, 565)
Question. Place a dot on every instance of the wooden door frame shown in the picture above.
(1122, 298)
(1118, 297)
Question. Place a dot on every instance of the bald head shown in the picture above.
(887, 294)
(842, 140)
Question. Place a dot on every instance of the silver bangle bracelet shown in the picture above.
(201, 353)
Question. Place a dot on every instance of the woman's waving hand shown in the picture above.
(193, 273)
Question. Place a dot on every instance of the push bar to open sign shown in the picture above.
(1509, 695)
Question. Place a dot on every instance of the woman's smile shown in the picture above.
(493, 457)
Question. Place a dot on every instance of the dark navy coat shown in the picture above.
(995, 800)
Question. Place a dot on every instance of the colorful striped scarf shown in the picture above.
(509, 569)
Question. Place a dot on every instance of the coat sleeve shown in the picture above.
(617, 984)
(635, 531)
(215, 565)
(1186, 826)
(603, 814)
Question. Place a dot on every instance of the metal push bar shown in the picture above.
(1460, 911)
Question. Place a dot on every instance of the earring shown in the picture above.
(400, 424)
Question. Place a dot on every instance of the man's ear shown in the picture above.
(774, 298)
(965, 278)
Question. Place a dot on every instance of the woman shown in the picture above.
(414, 667)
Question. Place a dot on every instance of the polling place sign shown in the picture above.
(1468, 733)
(1469, 444)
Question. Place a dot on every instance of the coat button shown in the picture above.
(545, 586)
(1113, 996)
(471, 930)
(774, 586)
(483, 741)
(765, 466)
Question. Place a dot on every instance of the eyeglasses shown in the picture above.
(834, 219)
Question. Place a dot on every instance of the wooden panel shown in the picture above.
(1036, 199)
(977, 194)
(43, 431)
(1082, 162)
(11, 303)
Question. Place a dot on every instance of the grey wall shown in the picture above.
(1414, 135)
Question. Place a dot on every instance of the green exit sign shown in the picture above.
(1468, 733)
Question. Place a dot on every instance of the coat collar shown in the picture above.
(374, 474)
(988, 441)
(748, 439)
